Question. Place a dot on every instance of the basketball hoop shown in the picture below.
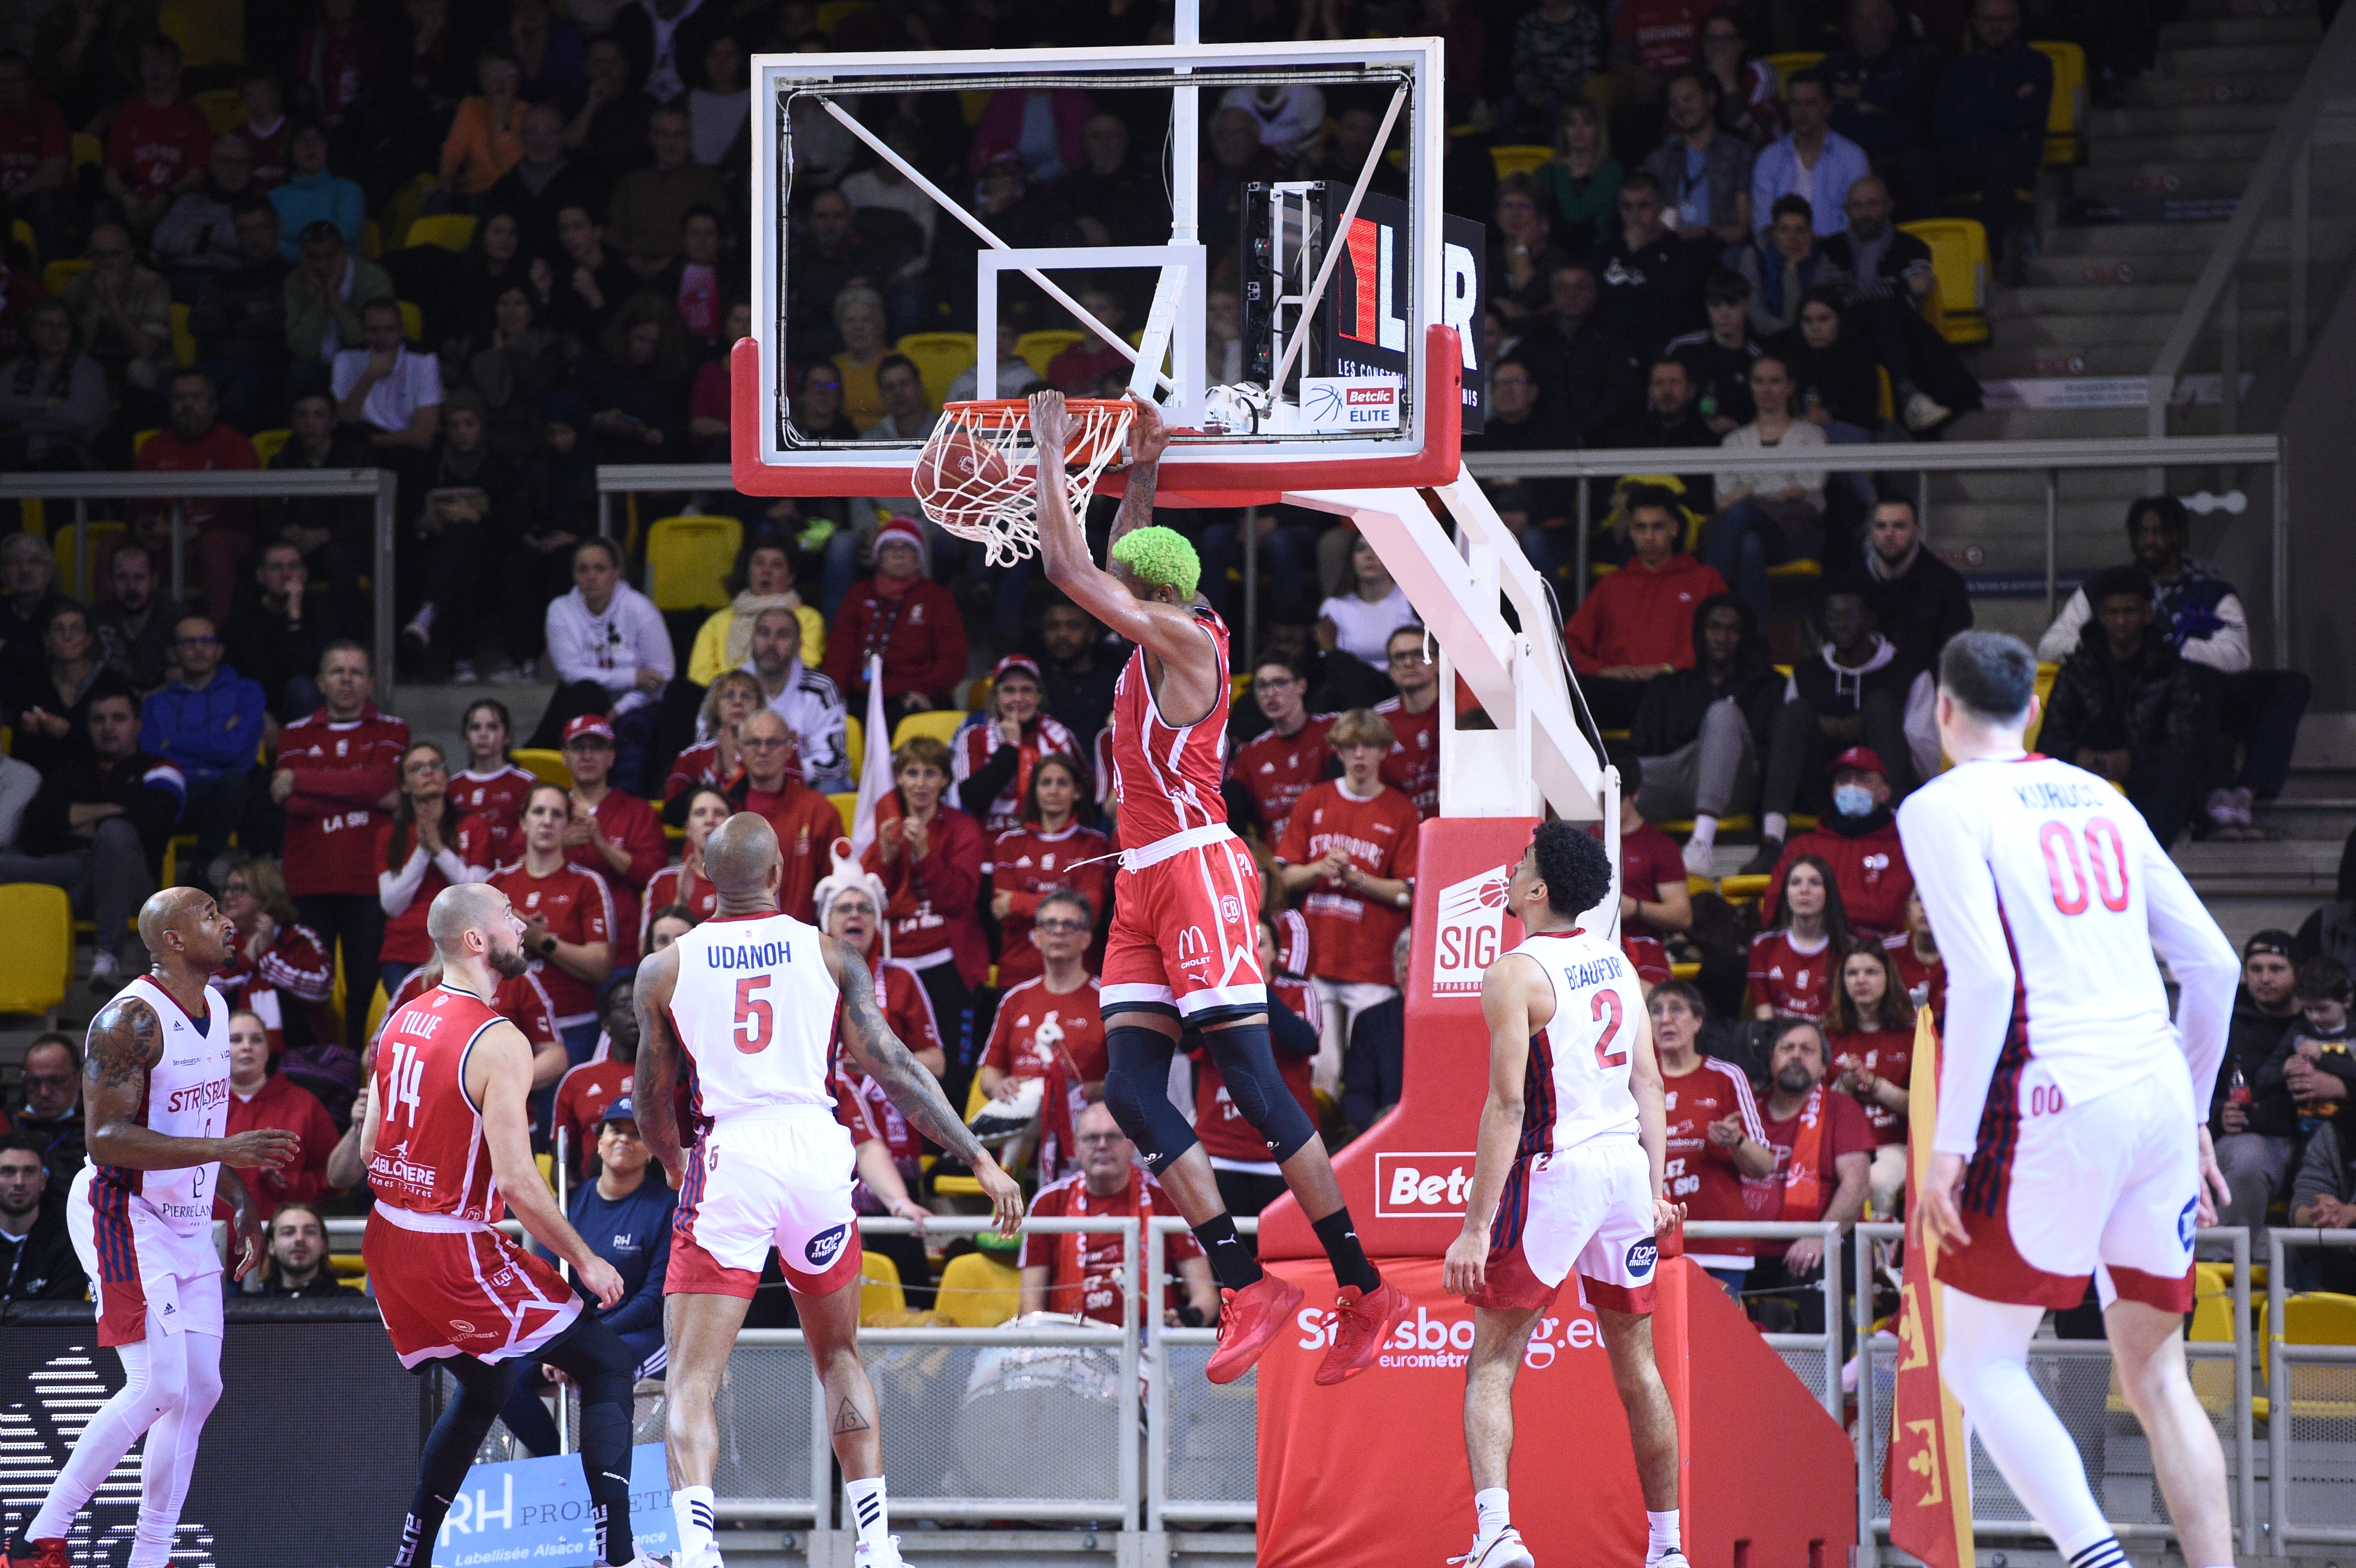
(975, 477)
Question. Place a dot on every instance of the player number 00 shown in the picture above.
(2106, 855)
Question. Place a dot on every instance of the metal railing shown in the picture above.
(1814, 1358)
(2321, 1407)
(179, 489)
(2258, 291)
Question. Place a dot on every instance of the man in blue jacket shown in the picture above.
(207, 724)
(1989, 117)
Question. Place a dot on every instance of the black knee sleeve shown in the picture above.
(1137, 1091)
(1246, 1063)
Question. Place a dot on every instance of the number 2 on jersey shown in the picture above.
(2107, 856)
(755, 1018)
(1605, 1010)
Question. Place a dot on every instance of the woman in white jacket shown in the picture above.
(611, 651)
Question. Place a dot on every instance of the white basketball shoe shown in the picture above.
(1502, 1550)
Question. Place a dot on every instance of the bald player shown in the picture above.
(1185, 950)
(155, 1105)
(448, 1145)
(750, 997)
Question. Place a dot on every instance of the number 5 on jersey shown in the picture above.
(755, 1018)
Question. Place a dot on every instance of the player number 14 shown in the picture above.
(2100, 872)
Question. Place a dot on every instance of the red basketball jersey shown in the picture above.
(1168, 774)
(431, 1158)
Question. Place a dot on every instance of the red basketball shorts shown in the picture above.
(1185, 930)
(450, 1287)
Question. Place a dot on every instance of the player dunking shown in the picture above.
(753, 996)
(448, 1144)
(156, 1102)
(1185, 929)
(1568, 1176)
(2070, 1137)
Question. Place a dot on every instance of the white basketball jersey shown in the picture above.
(187, 1097)
(755, 1007)
(1576, 1088)
(2046, 893)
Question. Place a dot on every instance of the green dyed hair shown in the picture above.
(1161, 557)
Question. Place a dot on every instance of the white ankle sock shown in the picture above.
(1490, 1504)
(1662, 1527)
(1705, 832)
(868, 1509)
(1772, 825)
(690, 1509)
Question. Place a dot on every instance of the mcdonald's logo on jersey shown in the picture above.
(1193, 943)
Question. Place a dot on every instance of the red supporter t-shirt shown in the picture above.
(581, 1095)
(29, 139)
(699, 766)
(497, 798)
(1869, 869)
(861, 1107)
(1084, 1272)
(1666, 33)
(1925, 983)
(929, 899)
(1787, 980)
(1035, 1023)
(1412, 766)
(1649, 861)
(1886, 1053)
(1278, 770)
(270, 170)
(977, 744)
(676, 885)
(522, 1001)
(293, 972)
(1845, 1132)
(290, 1106)
(341, 770)
(807, 824)
(405, 941)
(631, 822)
(152, 147)
(579, 909)
(1352, 936)
(1026, 863)
(1700, 1174)
(219, 450)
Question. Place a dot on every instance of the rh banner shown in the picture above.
(536, 1512)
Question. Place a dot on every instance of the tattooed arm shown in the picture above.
(126, 1043)
(1147, 439)
(878, 1052)
(655, 1073)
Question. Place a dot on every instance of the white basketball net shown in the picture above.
(976, 477)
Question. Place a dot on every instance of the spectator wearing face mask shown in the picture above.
(1860, 842)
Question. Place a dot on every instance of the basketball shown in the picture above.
(956, 463)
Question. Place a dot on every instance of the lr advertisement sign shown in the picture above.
(1367, 315)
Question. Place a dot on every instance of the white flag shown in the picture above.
(875, 772)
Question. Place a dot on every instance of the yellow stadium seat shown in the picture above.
(70, 581)
(37, 965)
(184, 341)
(139, 442)
(978, 695)
(1742, 887)
(378, 1002)
(2309, 1318)
(689, 560)
(963, 1186)
(544, 765)
(941, 723)
(1038, 349)
(1801, 568)
(830, 12)
(88, 149)
(879, 1287)
(979, 1291)
(855, 744)
(268, 443)
(1785, 64)
(1959, 261)
(848, 804)
(63, 270)
(1521, 160)
(1684, 971)
(224, 108)
(2067, 113)
(371, 239)
(21, 232)
(450, 230)
(941, 357)
(413, 320)
(2045, 675)
(174, 848)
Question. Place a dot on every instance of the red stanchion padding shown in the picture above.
(1405, 1178)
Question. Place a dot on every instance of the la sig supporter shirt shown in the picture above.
(582, 1096)
(1352, 936)
(631, 822)
(1034, 1024)
(288, 1105)
(807, 824)
(1925, 980)
(341, 770)
(1026, 864)
(1845, 1132)
(219, 450)
(1649, 861)
(1700, 1174)
(152, 147)
(29, 138)
(1886, 1053)
(1789, 975)
(291, 982)
(497, 798)
(405, 939)
(1084, 1271)
(1412, 766)
(579, 909)
(676, 885)
(1278, 770)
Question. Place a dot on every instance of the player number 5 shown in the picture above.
(755, 1015)
(2106, 856)
(1605, 1010)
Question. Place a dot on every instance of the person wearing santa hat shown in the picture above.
(906, 617)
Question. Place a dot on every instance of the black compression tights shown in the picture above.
(594, 1357)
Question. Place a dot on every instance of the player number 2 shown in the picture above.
(2105, 856)
(1605, 1010)
(754, 1016)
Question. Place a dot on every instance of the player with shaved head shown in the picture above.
(448, 1145)
(751, 996)
(155, 1103)
(1185, 951)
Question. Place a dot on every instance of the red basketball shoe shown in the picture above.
(1250, 1320)
(1360, 1326)
(24, 1552)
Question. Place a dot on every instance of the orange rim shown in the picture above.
(1100, 419)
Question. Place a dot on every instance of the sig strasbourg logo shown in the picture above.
(1471, 931)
